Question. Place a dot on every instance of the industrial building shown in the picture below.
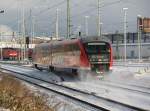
(133, 45)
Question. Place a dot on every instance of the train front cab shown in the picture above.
(99, 56)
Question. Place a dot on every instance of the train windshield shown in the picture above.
(96, 48)
(98, 53)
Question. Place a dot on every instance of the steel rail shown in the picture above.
(143, 89)
(136, 89)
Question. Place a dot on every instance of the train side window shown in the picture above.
(45, 51)
(71, 47)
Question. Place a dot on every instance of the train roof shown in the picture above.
(75, 40)
(95, 38)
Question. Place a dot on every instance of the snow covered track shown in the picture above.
(132, 88)
(89, 100)
(128, 64)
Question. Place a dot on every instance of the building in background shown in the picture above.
(117, 41)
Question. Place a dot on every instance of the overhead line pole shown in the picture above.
(32, 27)
(33, 30)
(19, 30)
(125, 34)
(31, 22)
(99, 18)
(19, 56)
(2, 11)
(1, 46)
(23, 30)
(139, 37)
(57, 23)
(68, 19)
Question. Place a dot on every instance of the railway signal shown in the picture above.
(27, 41)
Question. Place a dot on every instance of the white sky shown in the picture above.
(111, 14)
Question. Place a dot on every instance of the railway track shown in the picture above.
(133, 88)
(123, 95)
(131, 64)
(91, 101)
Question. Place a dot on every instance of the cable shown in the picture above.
(41, 12)
(10, 5)
(74, 16)
(91, 10)
(137, 7)
(55, 5)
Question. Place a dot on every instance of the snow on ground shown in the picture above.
(120, 95)
(120, 74)
(130, 75)
(33, 72)
(125, 74)
(58, 102)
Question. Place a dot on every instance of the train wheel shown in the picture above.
(36, 66)
(74, 71)
(51, 68)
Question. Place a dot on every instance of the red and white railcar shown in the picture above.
(75, 54)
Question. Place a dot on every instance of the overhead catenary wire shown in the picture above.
(60, 3)
(91, 10)
(40, 13)
(51, 7)
(94, 8)
(43, 11)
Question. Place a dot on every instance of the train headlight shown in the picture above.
(99, 59)
(110, 68)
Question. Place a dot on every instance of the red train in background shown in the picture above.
(75, 54)
(9, 54)
(14, 53)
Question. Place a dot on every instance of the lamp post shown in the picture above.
(57, 24)
(1, 11)
(86, 25)
(125, 34)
